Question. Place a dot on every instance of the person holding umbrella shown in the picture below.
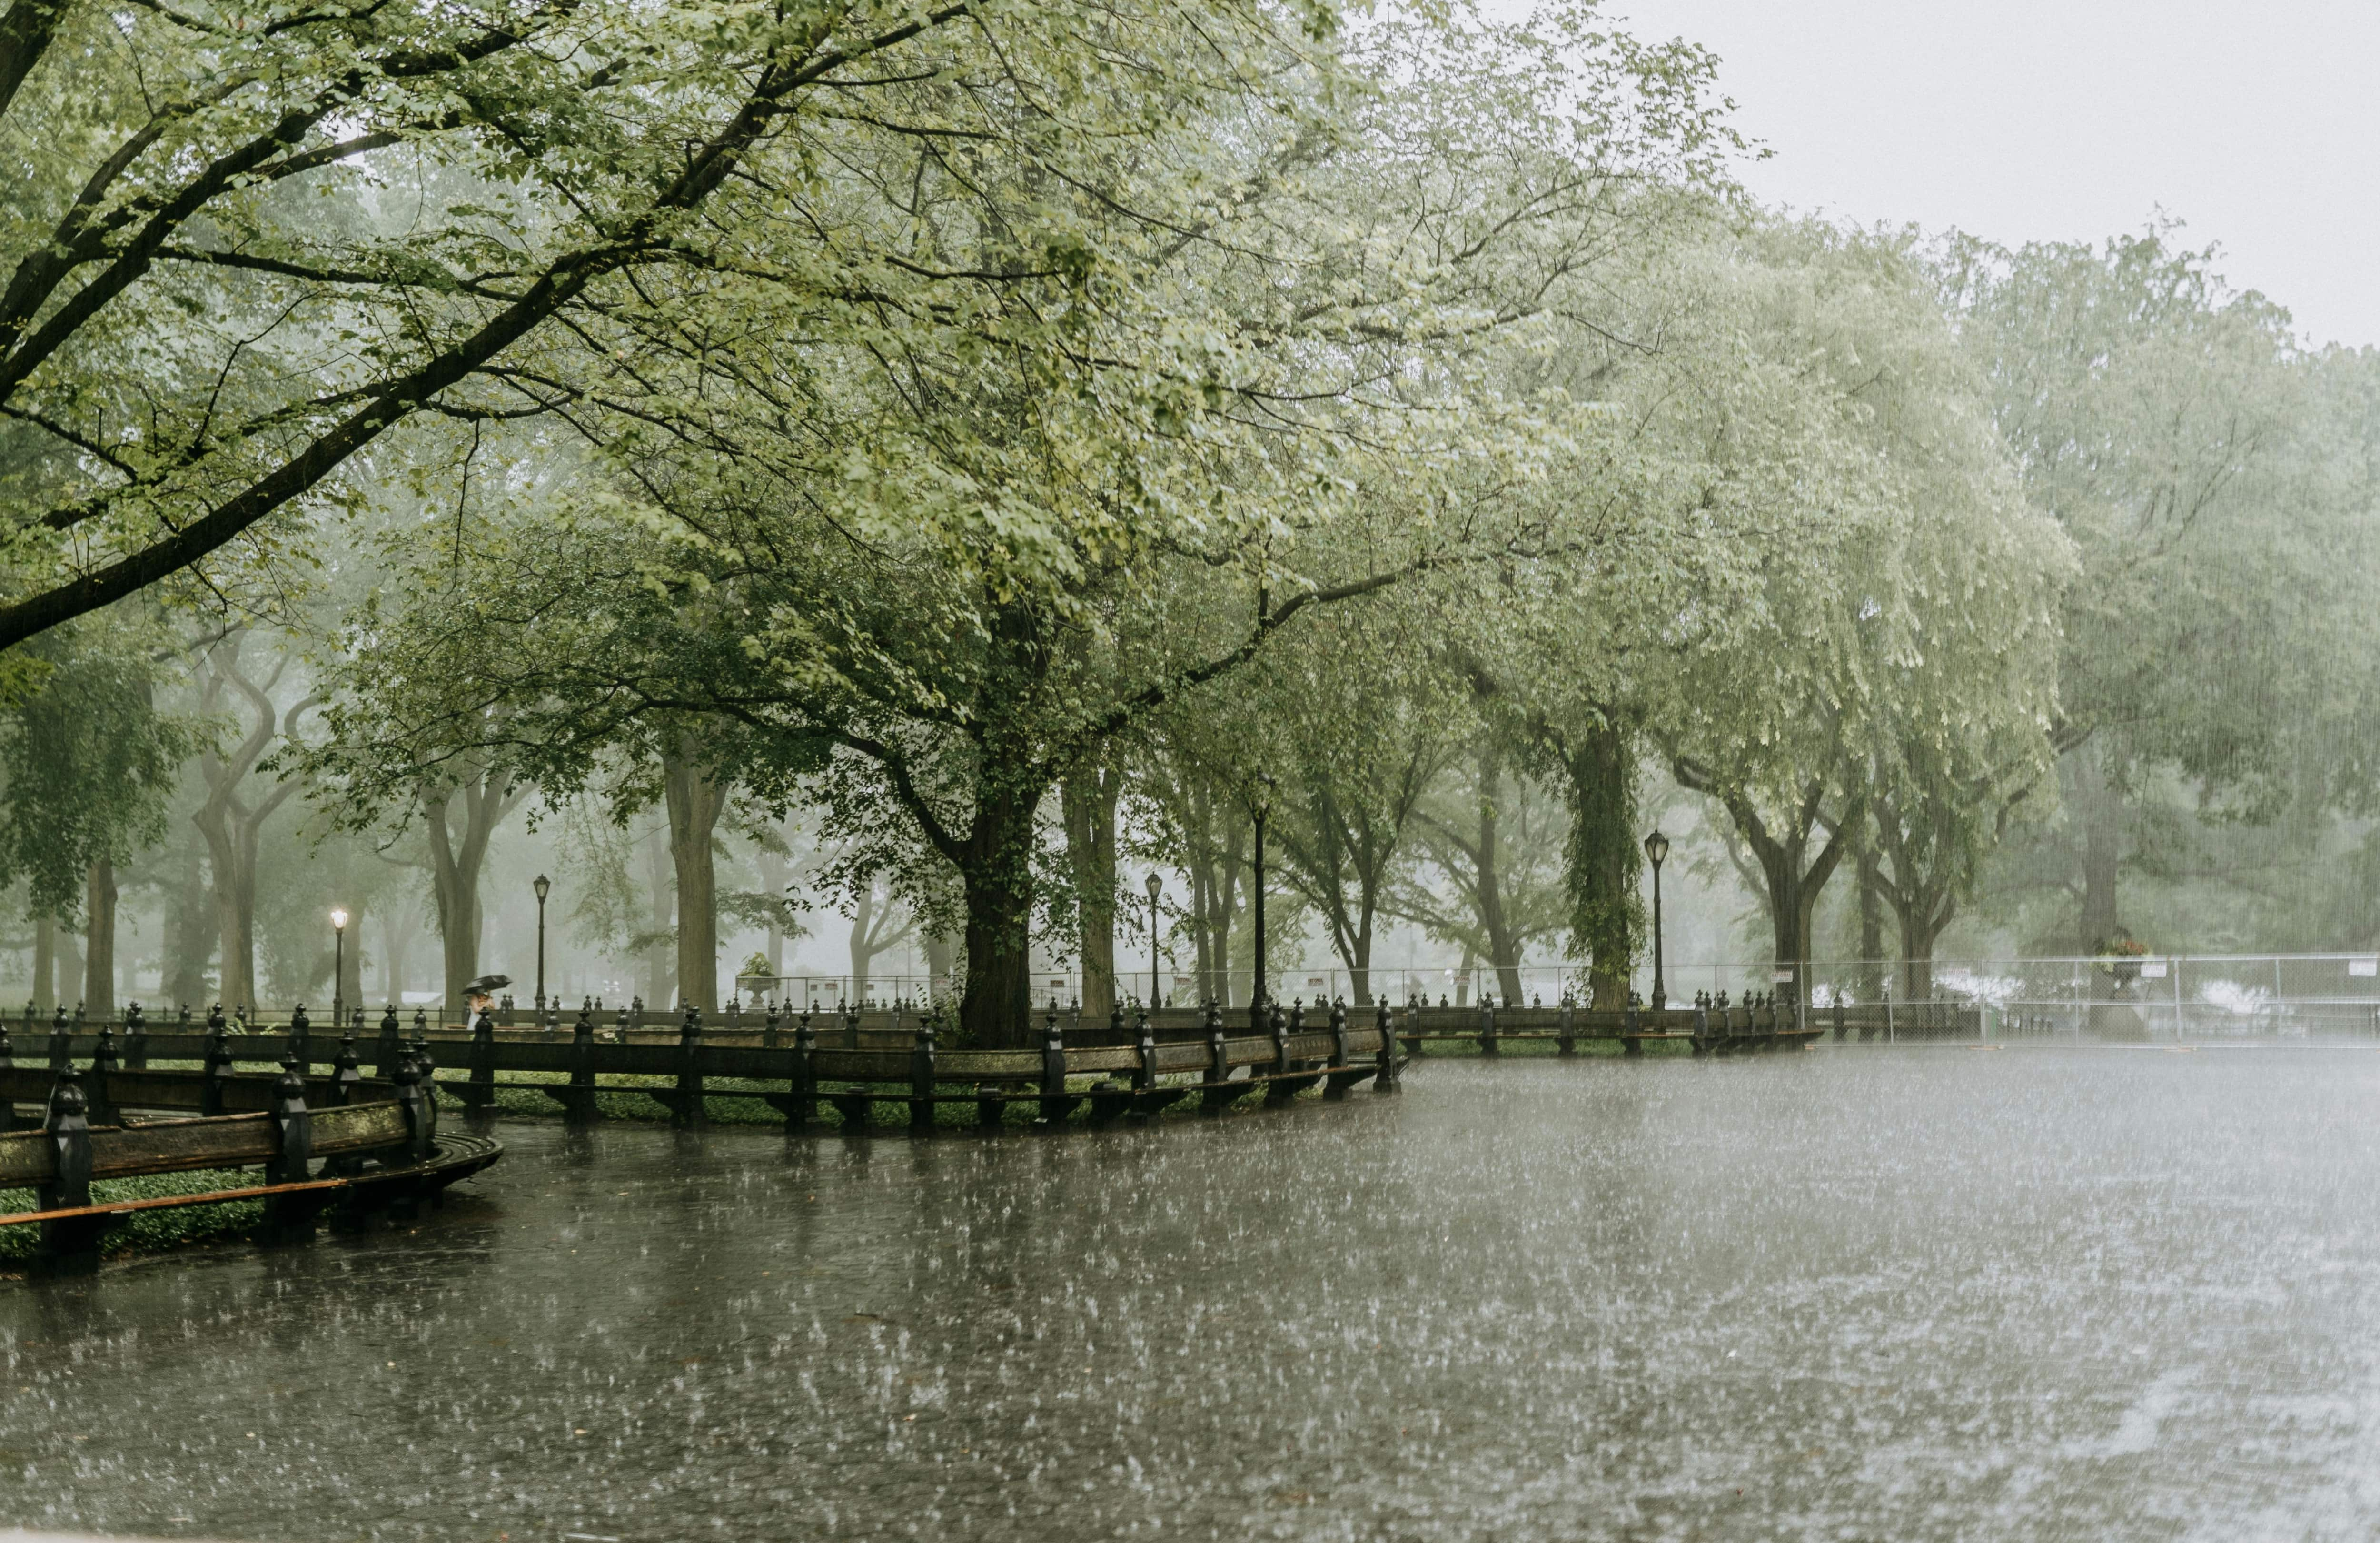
(479, 996)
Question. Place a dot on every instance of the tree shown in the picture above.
(1491, 838)
(1197, 821)
(1905, 624)
(463, 797)
(172, 210)
(1052, 461)
(87, 763)
(1364, 718)
(2157, 417)
(232, 817)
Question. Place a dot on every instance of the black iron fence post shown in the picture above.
(480, 1093)
(921, 1078)
(217, 1066)
(104, 1065)
(69, 1244)
(1219, 1059)
(803, 1092)
(136, 1038)
(1056, 1103)
(1144, 1076)
(690, 1111)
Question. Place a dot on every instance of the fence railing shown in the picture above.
(2241, 996)
(2232, 996)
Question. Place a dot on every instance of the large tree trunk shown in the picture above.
(1086, 802)
(1604, 860)
(995, 866)
(99, 958)
(694, 799)
(45, 965)
(2101, 809)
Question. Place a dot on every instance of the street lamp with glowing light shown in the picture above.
(338, 965)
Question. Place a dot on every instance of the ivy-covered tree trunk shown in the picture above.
(694, 799)
(1604, 859)
(1086, 802)
(99, 956)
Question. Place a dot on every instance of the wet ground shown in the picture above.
(1861, 1294)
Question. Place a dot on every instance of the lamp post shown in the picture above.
(1156, 887)
(542, 884)
(1656, 846)
(1257, 995)
(338, 965)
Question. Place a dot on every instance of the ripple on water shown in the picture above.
(1856, 1295)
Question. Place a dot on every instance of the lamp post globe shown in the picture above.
(1656, 846)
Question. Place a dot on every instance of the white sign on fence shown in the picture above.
(2153, 969)
(2363, 966)
(1780, 977)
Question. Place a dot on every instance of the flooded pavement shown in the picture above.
(1861, 1294)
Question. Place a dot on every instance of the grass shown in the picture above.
(147, 1232)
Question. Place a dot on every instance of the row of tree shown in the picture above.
(1021, 435)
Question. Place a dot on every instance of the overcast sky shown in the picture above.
(2258, 126)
